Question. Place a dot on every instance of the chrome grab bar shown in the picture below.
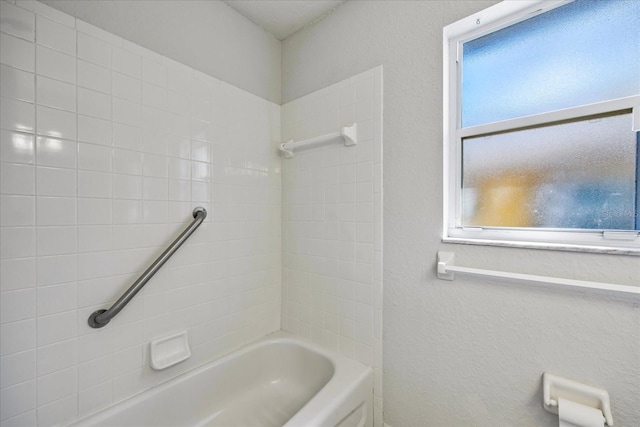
(100, 318)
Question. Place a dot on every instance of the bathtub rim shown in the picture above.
(327, 405)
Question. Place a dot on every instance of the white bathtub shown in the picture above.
(277, 381)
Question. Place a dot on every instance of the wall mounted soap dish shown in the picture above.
(168, 351)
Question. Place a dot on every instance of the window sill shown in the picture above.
(545, 245)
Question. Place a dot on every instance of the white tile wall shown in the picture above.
(106, 148)
(332, 224)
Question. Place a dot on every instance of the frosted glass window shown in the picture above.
(577, 175)
(541, 113)
(580, 53)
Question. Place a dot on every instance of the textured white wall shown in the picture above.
(469, 352)
(208, 36)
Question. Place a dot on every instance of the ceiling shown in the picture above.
(284, 17)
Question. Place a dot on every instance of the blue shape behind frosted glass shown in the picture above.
(583, 52)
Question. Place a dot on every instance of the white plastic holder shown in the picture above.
(446, 270)
(168, 351)
(348, 133)
(555, 387)
(445, 260)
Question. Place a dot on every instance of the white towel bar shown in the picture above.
(348, 133)
(446, 270)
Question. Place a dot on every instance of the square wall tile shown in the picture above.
(17, 211)
(56, 152)
(57, 241)
(16, 147)
(17, 368)
(16, 52)
(56, 211)
(16, 84)
(17, 21)
(94, 130)
(17, 179)
(17, 399)
(17, 115)
(54, 35)
(56, 65)
(17, 273)
(52, 270)
(56, 94)
(94, 77)
(17, 305)
(56, 181)
(94, 50)
(94, 104)
(126, 62)
(17, 337)
(95, 158)
(56, 123)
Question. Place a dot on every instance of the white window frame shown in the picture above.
(487, 21)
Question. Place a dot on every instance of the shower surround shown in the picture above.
(106, 149)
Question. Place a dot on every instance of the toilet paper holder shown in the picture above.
(555, 387)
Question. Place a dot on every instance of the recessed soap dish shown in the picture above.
(168, 351)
